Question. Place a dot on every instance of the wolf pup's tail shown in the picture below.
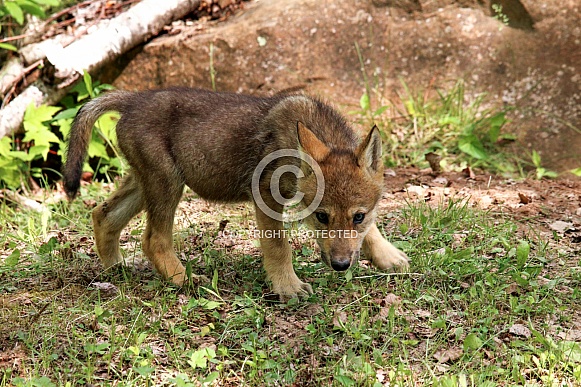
(80, 136)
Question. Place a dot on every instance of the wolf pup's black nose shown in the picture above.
(341, 264)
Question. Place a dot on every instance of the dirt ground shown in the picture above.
(539, 203)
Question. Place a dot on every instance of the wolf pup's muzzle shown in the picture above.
(340, 262)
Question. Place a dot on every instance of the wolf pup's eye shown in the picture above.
(358, 218)
(322, 217)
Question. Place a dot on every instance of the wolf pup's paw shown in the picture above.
(292, 289)
(387, 256)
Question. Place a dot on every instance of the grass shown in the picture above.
(476, 278)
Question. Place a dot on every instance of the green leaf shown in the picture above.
(472, 341)
(522, 253)
(15, 11)
(67, 113)
(364, 102)
(52, 3)
(42, 113)
(576, 171)
(448, 120)
(211, 377)
(380, 111)
(7, 46)
(31, 8)
(536, 158)
(107, 124)
(199, 359)
(5, 146)
(144, 371)
(345, 380)
(97, 149)
(88, 83)
(43, 381)
(496, 123)
(48, 247)
(571, 351)
(21, 155)
(13, 258)
(39, 150)
(472, 146)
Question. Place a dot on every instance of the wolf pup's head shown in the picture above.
(353, 186)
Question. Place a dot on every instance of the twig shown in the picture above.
(20, 77)
(68, 10)
(417, 275)
(16, 37)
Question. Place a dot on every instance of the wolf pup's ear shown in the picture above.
(311, 144)
(369, 152)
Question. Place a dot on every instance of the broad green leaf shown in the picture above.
(52, 3)
(211, 377)
(576, 171)
(106, 124)
(496, 122)
(20, 155)
(31, 8)
(15, 11)
(551, 174)
(536, 158)
(97, 149)
(10, 175)
(13, 258)
(380, 111)
(472, 146)
(472, 341)
(67, 113)
(522, 253)
(448, 120)
(345, 380)
(39, 133)
(7, 46)
(88, 83)
(409, 106)
(144, 371)
(39, 150)
(364, 102)
(5, 146)
(42, 113)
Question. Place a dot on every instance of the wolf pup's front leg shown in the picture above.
(383, 254)
(278, 256)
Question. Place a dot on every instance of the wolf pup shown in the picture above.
(214, 142)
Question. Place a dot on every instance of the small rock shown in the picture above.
(450, 354)
(520, 330)
(416, 189)
(389, 172)
(441, 181)
(560, 226)
(105, 287)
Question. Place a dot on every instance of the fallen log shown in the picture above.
(92, 51)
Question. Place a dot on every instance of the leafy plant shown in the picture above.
(460, 129)
(16, 10)
(45, 131)
(500, 15)
(540, 170)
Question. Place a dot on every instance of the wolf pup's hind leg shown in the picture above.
(162, 193)
(111, 216)
(383, 254)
